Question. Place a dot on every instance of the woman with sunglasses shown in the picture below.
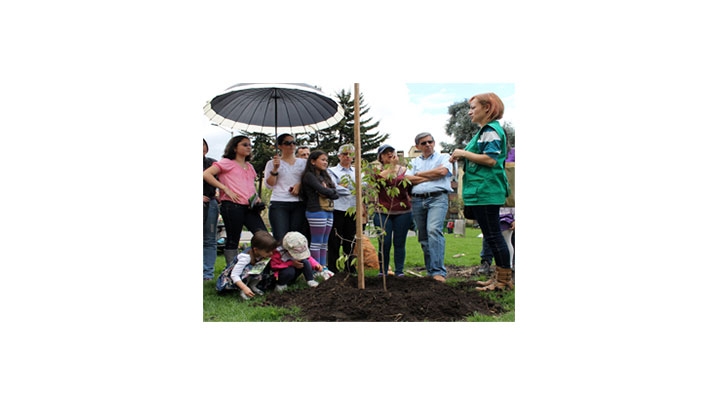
(283, 175)
(236, 181)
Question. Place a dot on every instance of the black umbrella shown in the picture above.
(273, 108)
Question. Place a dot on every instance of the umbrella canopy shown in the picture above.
(273, 108)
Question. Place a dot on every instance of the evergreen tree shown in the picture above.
(343, 132)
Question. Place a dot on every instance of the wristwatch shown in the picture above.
(273, 173)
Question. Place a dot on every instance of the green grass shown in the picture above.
(230, 307)
(469, 245)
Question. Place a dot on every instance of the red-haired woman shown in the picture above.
(485, 185)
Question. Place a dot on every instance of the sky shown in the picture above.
(403, 110)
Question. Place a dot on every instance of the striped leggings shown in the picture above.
(320, 225)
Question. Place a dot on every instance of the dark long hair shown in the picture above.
(321, 174)
(232, 145)
(281, 138)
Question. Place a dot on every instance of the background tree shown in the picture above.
(462, 129)
(344, 132)
(263, 150)
(510, 132)
(459, 126)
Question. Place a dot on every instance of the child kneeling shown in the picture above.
(248, 266)
(291, 260)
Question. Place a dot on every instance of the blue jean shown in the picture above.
(429, 216)
(486, 253)
(396, 228)
(488, 217)
(210, 239)
(290, 274)
(286, 216)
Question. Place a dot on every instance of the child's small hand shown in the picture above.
(248, 291)
(297, 264)
(318, 267)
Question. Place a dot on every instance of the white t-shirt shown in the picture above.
(288, 176)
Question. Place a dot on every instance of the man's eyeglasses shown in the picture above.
(286, 143)
(426, 142)
(345, 154)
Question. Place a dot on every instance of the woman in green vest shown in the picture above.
(485, 185)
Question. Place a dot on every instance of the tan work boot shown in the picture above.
(501, 279)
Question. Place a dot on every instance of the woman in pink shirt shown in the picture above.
(236, 181)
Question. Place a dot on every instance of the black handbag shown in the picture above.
(256, 203)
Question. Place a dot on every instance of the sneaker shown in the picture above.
(244, 296)
(313, 283)
(484, 269)
(280, 287)
(399, 274)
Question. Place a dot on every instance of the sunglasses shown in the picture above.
(426, 142)
(286, 143)
(345, 154)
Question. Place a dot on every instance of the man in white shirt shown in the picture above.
(430, 174)
(343, 228)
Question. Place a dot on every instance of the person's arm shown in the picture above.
(271, 167)
(209, 176)
(310, 180)
(314, 264)
(339, 181)
(392, 167)
(243, 260)
(490, 151)
(244, 288)
(416, 179)
(433, 174)
(479, 158)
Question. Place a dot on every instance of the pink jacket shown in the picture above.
(281, 259)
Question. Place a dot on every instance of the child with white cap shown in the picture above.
(292, 259)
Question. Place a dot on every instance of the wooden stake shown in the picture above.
(358, 194)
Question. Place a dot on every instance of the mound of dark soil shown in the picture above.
(406, 299)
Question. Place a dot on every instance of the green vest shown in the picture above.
(484, 185)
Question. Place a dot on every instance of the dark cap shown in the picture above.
(383, 148)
